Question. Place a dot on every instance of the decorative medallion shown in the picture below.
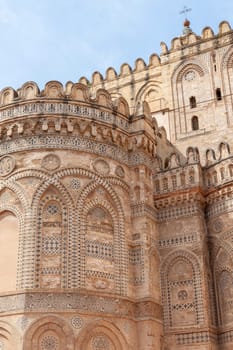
(49, 342)
(100, 342)
(101, 166)
(119, 171)
(190, 75)
(218, 225)
(75, 184)
(7, 165)
(77, 322)
(51, 162)
(182, 295)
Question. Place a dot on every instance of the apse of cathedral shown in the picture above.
(116, 209)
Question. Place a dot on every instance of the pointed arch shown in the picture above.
(151, 92)
(223, 282)
(12, 223)
(105, 330)
(50, 329)
(9, 336)
(9, 247)
(51, 240)
(227, 59)
(119, 245)
(184, 67)
(181, 282)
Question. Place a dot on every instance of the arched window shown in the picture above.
(195, 123)
(192, 102)
(218, 94)
(181, 289)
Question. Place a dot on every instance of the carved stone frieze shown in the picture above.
(75, 143)
(53, 108)
(82, 303)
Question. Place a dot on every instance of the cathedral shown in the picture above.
(116, 205)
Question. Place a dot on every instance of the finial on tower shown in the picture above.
(186, 29)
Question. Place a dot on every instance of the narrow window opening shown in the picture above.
(195, 123)
(192, 102)
(218, 94)
(215, 68)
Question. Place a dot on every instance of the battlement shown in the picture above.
(180, 46)
(178, 174)
(54, 90)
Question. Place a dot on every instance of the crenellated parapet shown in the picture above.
(168, 84)
(72, 111)
(189, 179)
(179, 174)
(180, 44)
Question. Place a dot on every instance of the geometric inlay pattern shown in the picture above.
(100, 342)
(99, 250)
(49, 342)
(77, 322)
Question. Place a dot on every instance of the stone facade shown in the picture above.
(116, 209)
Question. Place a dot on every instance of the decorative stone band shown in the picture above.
(77, 143)
(196, 338)
(221, 207)
(61, 109)
(142, 209)
(226, 337)
(76, 302)
(175, 212)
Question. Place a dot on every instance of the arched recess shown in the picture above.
(9, 337)
(227, 78)
(103, 198)
(47, 333)
(100, 266)
(101, 335)
(184, 80)
(151, 93)
(51, 240)
(30, 204)
(9, 244)
(223, 283)
(182, 293)
(11, 231)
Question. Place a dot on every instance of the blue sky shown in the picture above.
(44, 40)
